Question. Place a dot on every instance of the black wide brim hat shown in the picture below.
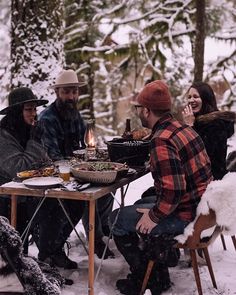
(21, 96)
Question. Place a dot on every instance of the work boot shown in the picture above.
(130, 286)
(128, 245)
(159, 280)
(59, 259)
(99, 248)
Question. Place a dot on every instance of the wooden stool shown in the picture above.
(193, 244)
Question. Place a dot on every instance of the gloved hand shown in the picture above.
(36, 132)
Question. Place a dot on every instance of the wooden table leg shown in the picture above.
(13, 210)
(91, 247)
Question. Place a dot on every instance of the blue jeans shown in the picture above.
(128, 218)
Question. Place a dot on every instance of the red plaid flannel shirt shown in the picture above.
(180, 168)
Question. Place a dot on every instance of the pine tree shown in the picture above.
(37, 54)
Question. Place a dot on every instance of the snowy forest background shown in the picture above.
(117, 46)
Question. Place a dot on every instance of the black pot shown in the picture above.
(131, 152)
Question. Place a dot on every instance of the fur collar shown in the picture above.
(223, 115)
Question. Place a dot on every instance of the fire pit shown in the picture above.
(131, 152)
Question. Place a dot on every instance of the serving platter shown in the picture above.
(43, 182)
(99, 172)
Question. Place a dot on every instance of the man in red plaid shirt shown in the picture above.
(181, 171)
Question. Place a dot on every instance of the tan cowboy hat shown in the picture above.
(67, 78)
(20, 96)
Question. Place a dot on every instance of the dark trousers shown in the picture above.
(50, 227)
(53, 226)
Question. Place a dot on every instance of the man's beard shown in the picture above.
(67, 109)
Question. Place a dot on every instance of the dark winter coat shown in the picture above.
(215, 128)
(15, 158)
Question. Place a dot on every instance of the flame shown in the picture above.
(89, 138)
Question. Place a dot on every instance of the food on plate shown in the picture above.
(27, 173)
(101, 166)
(46, 171)
(99, 172)
(141, 133)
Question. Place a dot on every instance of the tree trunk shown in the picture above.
(200, 40)
(37, 50)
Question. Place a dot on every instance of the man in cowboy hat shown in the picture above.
(64, 133)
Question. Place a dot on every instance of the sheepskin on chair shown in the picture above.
(219, 196)
(36, 277)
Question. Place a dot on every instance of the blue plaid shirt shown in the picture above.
(61, 137)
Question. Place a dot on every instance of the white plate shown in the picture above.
(42, 182)
(131, 171)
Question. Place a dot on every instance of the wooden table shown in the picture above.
(91, 194)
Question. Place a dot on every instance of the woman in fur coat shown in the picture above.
(214, 126)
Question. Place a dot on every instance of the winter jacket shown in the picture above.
(215, 128)
(180, 168)
(61, 137)
(14, 158)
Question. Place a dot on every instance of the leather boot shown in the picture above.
(159, 280)
(128, 247)
(137, 259)
(99, 249)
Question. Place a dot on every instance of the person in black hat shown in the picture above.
(20, 146)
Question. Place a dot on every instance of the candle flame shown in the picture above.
(89, 138)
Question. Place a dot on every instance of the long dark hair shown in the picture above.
(14, 123)
(207, 96)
